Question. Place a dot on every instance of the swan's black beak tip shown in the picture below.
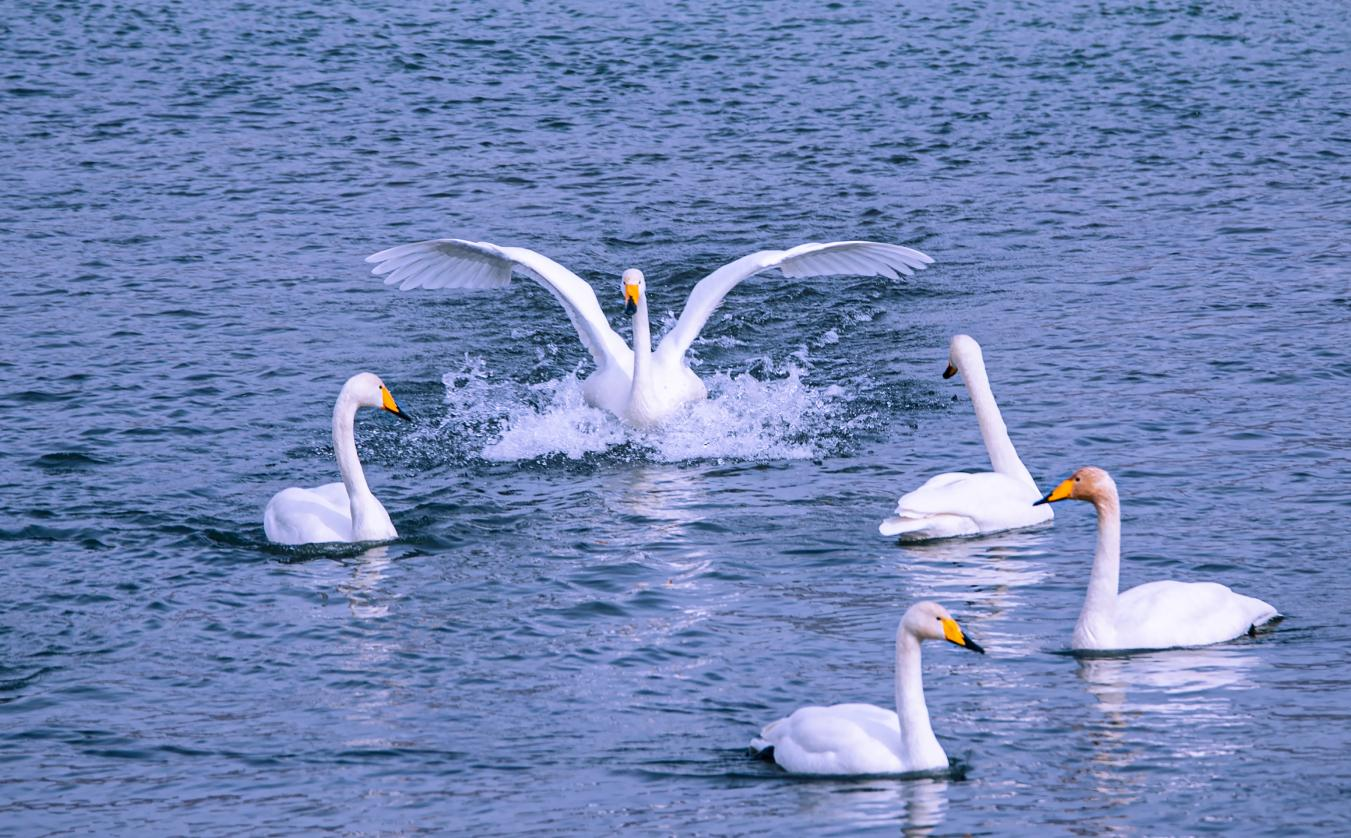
(402, 414)
(950, 371)
(630, 307)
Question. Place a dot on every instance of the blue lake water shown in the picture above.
(1141, 211)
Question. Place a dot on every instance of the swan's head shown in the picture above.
(368, 390)
(931, 621)
(962, 348)
(633, 290)
(1089, 483)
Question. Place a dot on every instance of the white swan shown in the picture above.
(961, 503)
(1155, 615)
(345, 511)
(863, 738)
(641, 386)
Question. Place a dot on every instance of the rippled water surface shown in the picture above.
(1141, 211)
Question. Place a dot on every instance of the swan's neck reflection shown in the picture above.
(362, 589)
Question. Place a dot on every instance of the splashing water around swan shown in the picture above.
(745, 418)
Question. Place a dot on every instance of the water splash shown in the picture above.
(768, 412)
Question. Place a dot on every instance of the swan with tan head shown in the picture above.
(1155, 615)
(337, 512)
(640, 385)
(856, 739)
(971, 503)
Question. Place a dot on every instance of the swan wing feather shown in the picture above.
(979, 496)
(856, 258)
(962, 503)
(457, 263)
(1165, 614)
(309, 516)
(839, 739)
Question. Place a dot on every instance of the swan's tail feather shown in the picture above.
(926, 527)
(763, 745)
(897, 525)
(1265, 624)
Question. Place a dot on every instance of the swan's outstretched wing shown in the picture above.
(851, 258)
(455, 263)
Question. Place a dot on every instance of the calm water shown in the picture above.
(1142, 212)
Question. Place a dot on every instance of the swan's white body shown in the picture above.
(863, 738)
(960, 503)
(640, 385)
(1155, 615)
(337, 512)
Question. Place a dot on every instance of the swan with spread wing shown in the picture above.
(640, 385)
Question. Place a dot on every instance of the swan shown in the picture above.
(962, 503)
(345, 511)
(1155, 615)
(863, 738)
(641, 386)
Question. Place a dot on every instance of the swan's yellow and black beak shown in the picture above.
(1059, 492)
(950, 371)
(630, 298)
(953, 634)
(387, 403)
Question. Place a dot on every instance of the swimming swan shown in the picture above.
(345, 511)
(960, 503)
(1155, 615)
(863, 738)
(641, 386)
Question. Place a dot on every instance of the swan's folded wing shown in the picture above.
(989, 498)
(309, 516)
(852, 258)
(456, 263)
(1164, 614)
(839, 739)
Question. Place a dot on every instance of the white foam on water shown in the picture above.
(771, 415)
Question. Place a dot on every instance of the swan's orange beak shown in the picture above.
(950, 371)
(1059, 492)
(387, 403)
(953, 634)
(630, 298)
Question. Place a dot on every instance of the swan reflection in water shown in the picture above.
(349, 570)
(664, 504)
(362, 589)
(918, 806)
(668, 498)
(652, 564)
(989, 571)
(1184, 676)
(1160, 709)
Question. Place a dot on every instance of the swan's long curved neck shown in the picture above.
(1097, 621)
(345, 448)
(919, 746)
(642, 343)
(1003, 456)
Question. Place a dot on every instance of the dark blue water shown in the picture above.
(1141, 211)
